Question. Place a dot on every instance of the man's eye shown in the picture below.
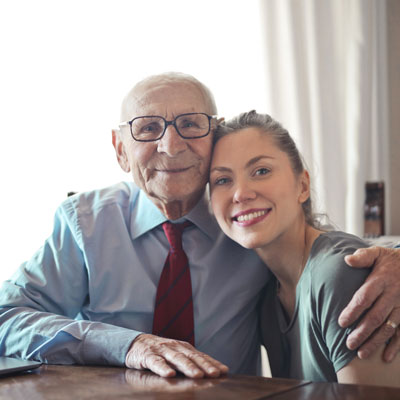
(262, 171)
(149, 128)
(187, 124)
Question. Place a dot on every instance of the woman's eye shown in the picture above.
(221, 181)
(262, 171)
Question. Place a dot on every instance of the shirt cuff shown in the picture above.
(107, 344)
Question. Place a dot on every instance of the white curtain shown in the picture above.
(326, 82)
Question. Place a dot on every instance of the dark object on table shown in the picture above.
(374, 209)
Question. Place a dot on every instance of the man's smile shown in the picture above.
(173, 170)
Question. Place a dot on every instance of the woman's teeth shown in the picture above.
(247, 217)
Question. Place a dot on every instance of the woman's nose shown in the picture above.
(243, 193)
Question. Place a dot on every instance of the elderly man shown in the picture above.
(114, 276)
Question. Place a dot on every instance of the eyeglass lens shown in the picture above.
(188, 126)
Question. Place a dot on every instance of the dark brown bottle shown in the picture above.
(374, 209)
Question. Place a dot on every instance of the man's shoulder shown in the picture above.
(121, 195)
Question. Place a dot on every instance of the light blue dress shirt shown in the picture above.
(90, 290)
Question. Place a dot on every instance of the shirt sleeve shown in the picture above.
(40, 305)
(334, 286)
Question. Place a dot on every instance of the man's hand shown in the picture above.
(381, 290)
(167, 356)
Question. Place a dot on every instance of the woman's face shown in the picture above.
(255, 195)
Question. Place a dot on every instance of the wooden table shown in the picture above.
(58, 382)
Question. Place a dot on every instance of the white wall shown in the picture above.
(65, 68)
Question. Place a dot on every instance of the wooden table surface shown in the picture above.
(58, 382)
(336, 391)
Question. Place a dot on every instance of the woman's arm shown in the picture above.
(334, 284)
(373, 371)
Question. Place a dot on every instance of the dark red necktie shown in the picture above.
(173, 313)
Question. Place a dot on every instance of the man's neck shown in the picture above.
(178, 208)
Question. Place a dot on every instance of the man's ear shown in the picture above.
(215, 122)
(120, 150)
(304, 180)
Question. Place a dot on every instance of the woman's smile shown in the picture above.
(250, 217)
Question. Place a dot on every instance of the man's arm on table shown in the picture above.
(38, 307)
(380, 293)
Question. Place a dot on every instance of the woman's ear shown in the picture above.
(304, 181)
(120, 150)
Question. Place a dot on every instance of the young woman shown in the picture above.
(260, 194)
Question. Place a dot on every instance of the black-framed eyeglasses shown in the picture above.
(149, 128)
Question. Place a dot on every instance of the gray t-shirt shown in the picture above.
(312, 346)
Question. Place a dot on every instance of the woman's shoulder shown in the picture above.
(326, 261)
(334, 245)
(337, 242)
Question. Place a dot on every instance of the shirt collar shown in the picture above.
(146, 216)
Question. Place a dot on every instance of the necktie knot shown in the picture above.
(173, 232)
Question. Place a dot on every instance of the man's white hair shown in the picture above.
(170, 78)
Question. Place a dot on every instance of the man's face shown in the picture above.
(172, 169)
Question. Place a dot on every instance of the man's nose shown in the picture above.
(243, 192)
(171, 143)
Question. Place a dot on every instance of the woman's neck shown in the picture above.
(286, 257)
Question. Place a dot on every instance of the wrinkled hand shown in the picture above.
(167, 356)
(381, 290)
